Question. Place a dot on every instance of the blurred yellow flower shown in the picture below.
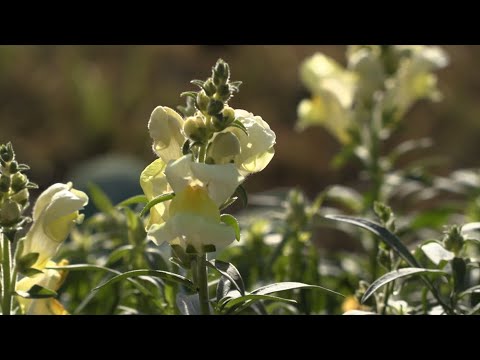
(351, 303)
(54, 214)
(415, 79)
(333, 89)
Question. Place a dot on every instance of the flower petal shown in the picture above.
(219, 180)
(55, 213)
(258, 144)
(165, 127)
(154, 183)
(193, 230)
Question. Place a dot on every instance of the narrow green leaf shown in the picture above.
(472, 290)
(188, 304)
(230, 272)
(393, 275)
(100, 199)
(235, 86)
(164, 275)
(238, 124)
(31, 185)
(157, 200)
(79, 267)
(288, 285)
(23, 167)
(255, 297)
(192, 94)
(118, 253)
(82, 267)
(37, 292)
(390, 239)
(199, 83)
(232, 222)
(138, 199)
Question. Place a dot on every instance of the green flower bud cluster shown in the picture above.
(453, 239)
(207, 112)
(14, 192)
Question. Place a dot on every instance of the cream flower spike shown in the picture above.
(54, 214)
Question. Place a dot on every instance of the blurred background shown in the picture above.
(80, 112)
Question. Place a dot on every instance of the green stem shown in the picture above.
(386, 296)
(6, 267)
(376, 177)
(202, 153)
(202, 284)
(13, 282)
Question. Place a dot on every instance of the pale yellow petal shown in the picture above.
(165, 127)
(55, 213)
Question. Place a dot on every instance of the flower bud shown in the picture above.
(209, 87)
(218, 123)
(13, 167)
(221, 72)
(10, 213)
(202, 101)
(6, 153)
(214, 107)
(4, 183)
(223, 92)
(194, 128)
(453, 239)
(21, 197)
(228, 115)
(19, 181)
